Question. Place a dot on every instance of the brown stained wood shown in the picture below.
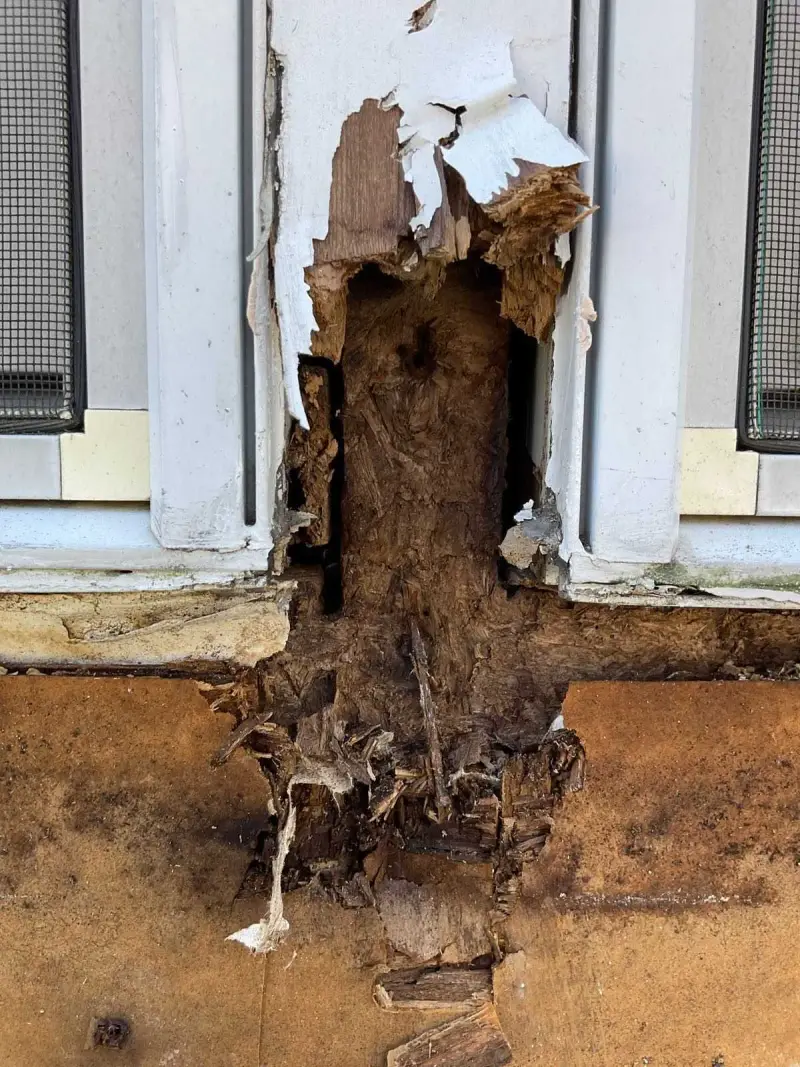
(419, 657)
(472, 839)
(370, 202)
(475, 1040)
(310, 456)
(427, 988)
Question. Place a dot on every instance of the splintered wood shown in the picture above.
(543, 203)
(420, 660)
(310, 456)
(475, 1040)
(446, 987)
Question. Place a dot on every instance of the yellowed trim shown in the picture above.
(238, 626)
(716, 479)
(110, 460)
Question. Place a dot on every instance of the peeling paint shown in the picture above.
(423, 16)
(586, 316)
(457, 87)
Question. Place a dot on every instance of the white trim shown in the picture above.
(653, 218)
(726, 53)
(733, 561)
(643, 277)
(270, 406)
(570, 349)
(778, 486)
(194, 272)
(104, 547)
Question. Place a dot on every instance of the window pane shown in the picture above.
(39, 373)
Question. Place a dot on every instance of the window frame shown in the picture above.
(195, 245)
(754, 444)
(616, 451)
(40, 426)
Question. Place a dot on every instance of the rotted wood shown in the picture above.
(310, 455)
(454, 987)
(471, 838)
(419, 656)
(475, 1040)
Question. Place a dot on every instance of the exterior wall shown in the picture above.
(644, 463)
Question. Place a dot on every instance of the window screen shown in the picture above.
(770, 388)
(41, 372)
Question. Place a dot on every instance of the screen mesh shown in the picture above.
(772, 379)
(39, 366)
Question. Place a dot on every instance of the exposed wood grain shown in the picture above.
(475, 1040)
(440, 237)
(370, 202)
(456, 987)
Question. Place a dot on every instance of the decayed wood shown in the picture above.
(475, 1040)
(243, 732)
(310, 455)
(456, 987)
(469, 839)
(541, 204)
(420, 660)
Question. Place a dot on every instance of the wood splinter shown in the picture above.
(450, 986)
(475, 1040)
(419, 657)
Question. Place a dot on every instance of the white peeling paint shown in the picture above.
(336, 56)
(492, 140)
(557, 724)
(268, 933)
(586, 316)
(419, 167)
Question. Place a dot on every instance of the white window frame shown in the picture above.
(165, 276)
(665, 229)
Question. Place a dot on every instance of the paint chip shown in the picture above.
(423, 16)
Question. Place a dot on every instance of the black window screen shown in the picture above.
(41, 357)
(770, 386)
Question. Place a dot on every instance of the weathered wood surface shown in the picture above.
(475, 1040)
(370, 204)
(448, 986)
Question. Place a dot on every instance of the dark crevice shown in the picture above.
(419, 359)
(328, 556)
(521, 477)
(457, 113)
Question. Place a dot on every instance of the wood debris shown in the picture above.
(475, 1040)
(420, 660)
(249, 726)
(338, 794)
(531, 787)
(453, 986)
